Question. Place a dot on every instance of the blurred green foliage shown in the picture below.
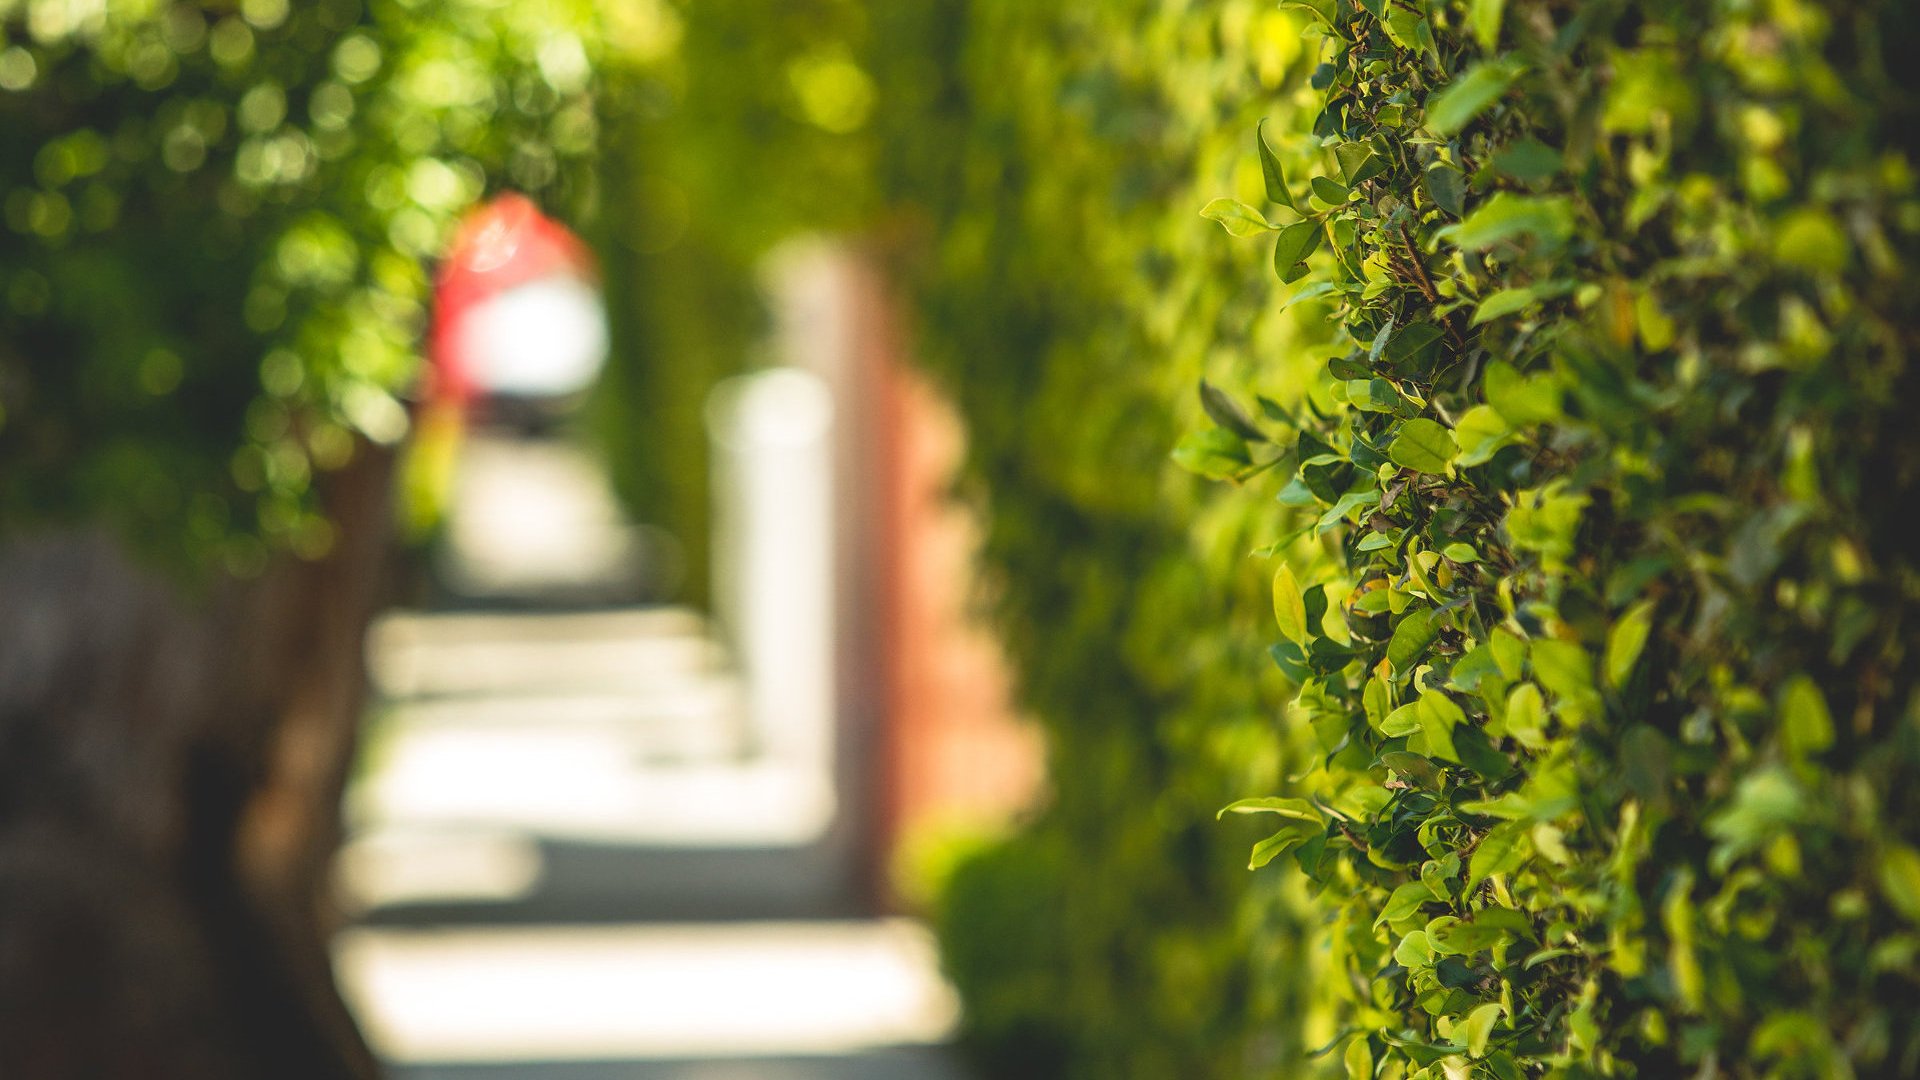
(714, 167)
(1600, 593)
(218, 219)
(1591, 699)
(1031, 170)
(1047, 159)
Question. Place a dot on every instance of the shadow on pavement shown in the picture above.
(595, 883)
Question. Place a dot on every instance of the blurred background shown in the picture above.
(545, 538)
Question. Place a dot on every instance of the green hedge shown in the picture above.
(1594, 595)
(1601, 593)
(1049, 159)
(217, 223)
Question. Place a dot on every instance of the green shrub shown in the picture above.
(217, 217)
(1050, 156)
(1601, 594)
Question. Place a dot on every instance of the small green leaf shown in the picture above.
(1447, 187)
(1348, 503)
(1406, 763)
(1376, 699)
(1289, 608)
(1460, 553)
(1290, 836)
(1480, 1027)
(1411, 637)
(1359, 1059)
(1237, 217)
(1461, 937)
(1481, 432)
(1226, 412)
(1810, 239)
(1424, 446)
(1683, 961)
(1450, 108)
(1900, 879)
(1625, 640)
(1372, 395)
(1509, 651)
(1401, 722)
(1529, 161)
(1380, 339)
(1764, 803)
(1311, 291)
(1410, 342)
(1439, 716)
(1473, 748)
(1501, 851)
(1504, 302)
(1414, 951)
(1507, 216)
(1328, 191)
(1408, 30)
(1566, 670)
(1294, 244)
(1315, 599)
(1296, 809)
(1291, 660)
(1483, 17)
(1270, 170)
(1374, 541)
(1404, 903)
(1474, 668)
(1522, 400)
(1358, 162)
(1527, 715)
(1214, 453)
(1806, 725)
(1326, 10)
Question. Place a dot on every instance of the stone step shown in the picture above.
(678, 720)
(467, 654)
(587, 787)
(645, 992)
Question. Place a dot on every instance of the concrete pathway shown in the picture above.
(570, 862)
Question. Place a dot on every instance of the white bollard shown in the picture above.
(773, 557)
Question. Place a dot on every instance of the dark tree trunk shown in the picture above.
(171, 766)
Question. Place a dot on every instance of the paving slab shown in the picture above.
(801, 992)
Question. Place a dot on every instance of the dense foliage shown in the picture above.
(1045, 162)
(1600, 599)
(1580, 399)
(218, 223)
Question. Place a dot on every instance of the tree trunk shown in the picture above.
(171, 765)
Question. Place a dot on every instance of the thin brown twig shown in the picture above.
(1427, 289)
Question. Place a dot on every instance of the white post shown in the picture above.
(773, 556)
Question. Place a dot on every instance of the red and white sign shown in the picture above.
(517, 309)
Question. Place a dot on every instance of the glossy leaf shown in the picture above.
(1271, 172)
(1806, 726)
(1457, 103)
(1411, 637)
(1294, 244)
(1226, 412)
(1424, 446)
(1213, 453)
(1625, 641)
(1506, 217)
(1289, 608)
(1237, 217)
